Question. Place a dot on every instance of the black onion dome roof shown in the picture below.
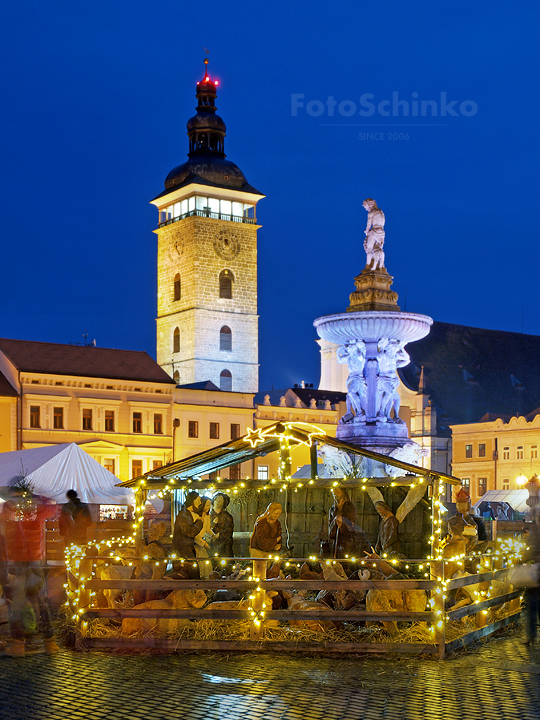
(206, 120)
(216, 171)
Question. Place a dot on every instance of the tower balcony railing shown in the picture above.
(205, 212)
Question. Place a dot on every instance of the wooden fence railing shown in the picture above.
(83, 586)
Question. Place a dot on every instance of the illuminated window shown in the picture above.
(176, 340)
(468, 451)
(262, 472)
(87, 419)
(193, 429)
(156, 464)
(506, 484)
(137, 422)
(109, 420)
(225, 284)
(235, 431)
(234, 472)
(225, 380)
(482, 486)
(225, 338)
(482, 450)
(465, 483)
(506, 453)
(534, 452)
(176, 376)
(158, 424)
(108, 464)
(58, 418)
(177, 287)
(214, 431)
(35, 416)
(519, 453)
(136, 468)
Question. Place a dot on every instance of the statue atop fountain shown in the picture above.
(374, 232)
(371, 338)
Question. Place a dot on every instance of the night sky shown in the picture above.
(95, 101)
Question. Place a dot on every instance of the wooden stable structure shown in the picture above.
(199, 472)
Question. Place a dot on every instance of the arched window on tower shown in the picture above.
(177, 287)
(225, 338)
(226, 279)
(225, 380)
(176, 340)
(176, 377)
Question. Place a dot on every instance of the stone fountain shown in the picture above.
(372, 335)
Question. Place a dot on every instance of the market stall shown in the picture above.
(331, 602)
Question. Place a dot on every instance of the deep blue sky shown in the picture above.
(95, 101)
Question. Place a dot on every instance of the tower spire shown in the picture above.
(206, 129)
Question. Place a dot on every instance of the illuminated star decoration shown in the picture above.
(254, 437)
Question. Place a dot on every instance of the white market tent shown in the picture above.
(55, 469)
(517, 499)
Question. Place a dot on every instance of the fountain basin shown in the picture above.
(370, 326)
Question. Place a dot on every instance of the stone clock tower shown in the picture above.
(207, 323)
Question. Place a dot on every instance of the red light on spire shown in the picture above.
(215, 82)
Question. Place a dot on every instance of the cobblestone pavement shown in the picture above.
(499, 679)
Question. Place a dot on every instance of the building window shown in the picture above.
(214, 431)
(519, 453)
(534, 452)
(468, 451)
(176, 340)
(158, 424)
(465, 483)
(262, 472)
(108, 464)
(235, 431)
(234, 472)
(506, 453)
(137, 422)
(176, 377)
(225, 284)
(87, 419)
(58, 418)
(136, 468)
(177, 287)
(34, 416)
(225, 380)
(109, 420)
(482, 450)
(193, 429)
(156, 464)
(225, 338)
(506, 484)
(482, 486)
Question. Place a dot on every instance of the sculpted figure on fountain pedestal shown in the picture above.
(390, 356)
(353, 353)
(374, 232)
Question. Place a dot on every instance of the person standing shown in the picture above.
(345, 537)
(75, 519)
(201, 540)
(187, 525)
(22, 524)
(222, 526)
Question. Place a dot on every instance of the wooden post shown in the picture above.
(257, 603)
(440, 623)
(141, 495)
(313, 458)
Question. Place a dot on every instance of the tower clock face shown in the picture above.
(176, 250)
(226, 246)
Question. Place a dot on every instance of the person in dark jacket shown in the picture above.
(75, 519)
(345, 537)
(187, 525)
(222, 526)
